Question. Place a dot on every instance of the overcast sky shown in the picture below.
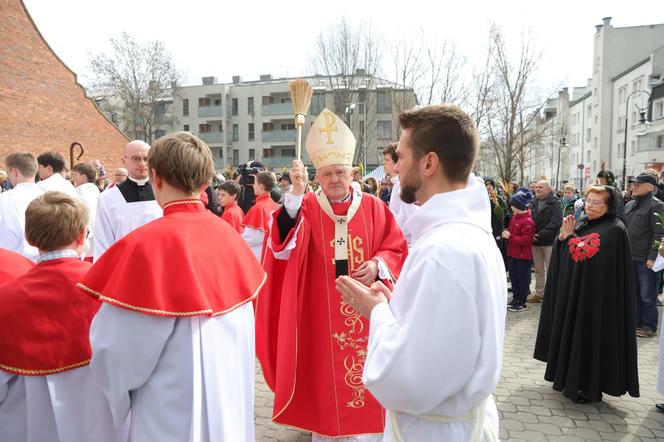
(234, 37)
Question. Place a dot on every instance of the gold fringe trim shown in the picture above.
(153, 311)
(28, 372)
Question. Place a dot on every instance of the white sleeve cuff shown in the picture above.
(384, 271)
(292, 204)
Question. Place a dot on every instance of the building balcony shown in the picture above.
(279, 135)
(210, 111)
(212, 137)
(277, 162)
(277, 109)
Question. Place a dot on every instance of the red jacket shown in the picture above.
(522, 231)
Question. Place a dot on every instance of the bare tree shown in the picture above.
(137, 80)
(510, 121)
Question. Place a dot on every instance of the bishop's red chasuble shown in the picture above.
(46, 320)
(233, 215)
(165, 267)
(258, 216)
(13, 265)
(312, 345)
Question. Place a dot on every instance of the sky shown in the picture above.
(249, 38)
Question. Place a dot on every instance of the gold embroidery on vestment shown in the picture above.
(355, 252)
(351, 342)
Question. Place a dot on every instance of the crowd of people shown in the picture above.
(376, 310)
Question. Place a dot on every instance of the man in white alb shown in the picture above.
(435, 349)
(130, 204)
(85, 176)
(50, 167)
(21, 167)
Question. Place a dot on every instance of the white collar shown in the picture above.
(139, 182)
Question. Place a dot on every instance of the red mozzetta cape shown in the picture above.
(311, 344)
(13, 265)
(258, 216)
(166, 268)
(233, 215)
(46, 320)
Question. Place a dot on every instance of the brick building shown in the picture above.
(42, 107)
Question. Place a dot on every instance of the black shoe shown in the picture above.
(660, 407)
(517, 308)
(581, 399)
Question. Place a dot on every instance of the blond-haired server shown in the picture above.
(174, 339)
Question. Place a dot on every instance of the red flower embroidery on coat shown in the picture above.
(584, 247)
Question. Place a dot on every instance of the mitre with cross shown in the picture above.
(330, 141)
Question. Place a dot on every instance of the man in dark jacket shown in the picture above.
(548, 216)
(644, 228)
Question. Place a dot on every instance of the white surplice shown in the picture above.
(89, 195)
(116, 218)
(254, 239)
(183, 379)
(63, 407)
(12, 218)
(57, 182)
(435, 351)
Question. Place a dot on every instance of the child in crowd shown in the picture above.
(232, 214)
(519, 238)
(47, 390)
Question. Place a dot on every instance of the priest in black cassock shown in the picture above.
(129, 205)
(587, 330)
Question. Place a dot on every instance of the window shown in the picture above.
(596, 119)
(317, 104)
(620, 125)
(287, 126)
(204, 128)
(203, 102)
(589, 111)
(287, 152)
(286, 100)
(658, 109)
(383, 105)
(633, 147)
(384, 130)
(186, 128)
(588, 157)
(217, 101)
(268, 100)
(220, 127)
(636, 85)
(361, 99)
(251, 131)
(159, 133)
(268, 127)
(659, 142)
(236, 132)
(236, 157)
(185, 107)
(595, 143)
(234, 106)
(252, 154)
(588, 134)
(621, 94)
(250, 105)
(268, 153)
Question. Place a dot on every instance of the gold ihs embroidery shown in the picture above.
(355, 251)
(351, 341)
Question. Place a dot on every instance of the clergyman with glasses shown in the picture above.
(128, 205)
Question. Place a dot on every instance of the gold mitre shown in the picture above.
(330, 141)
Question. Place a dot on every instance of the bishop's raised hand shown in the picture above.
(299, 178)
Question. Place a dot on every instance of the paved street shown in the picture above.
(529, 408)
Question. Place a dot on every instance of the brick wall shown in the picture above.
(42, 107)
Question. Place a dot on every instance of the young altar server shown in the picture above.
(173, 341)
(47, 390)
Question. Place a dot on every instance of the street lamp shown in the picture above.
(642, 122)
(563, 143)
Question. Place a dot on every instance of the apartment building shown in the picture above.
(253, 120)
